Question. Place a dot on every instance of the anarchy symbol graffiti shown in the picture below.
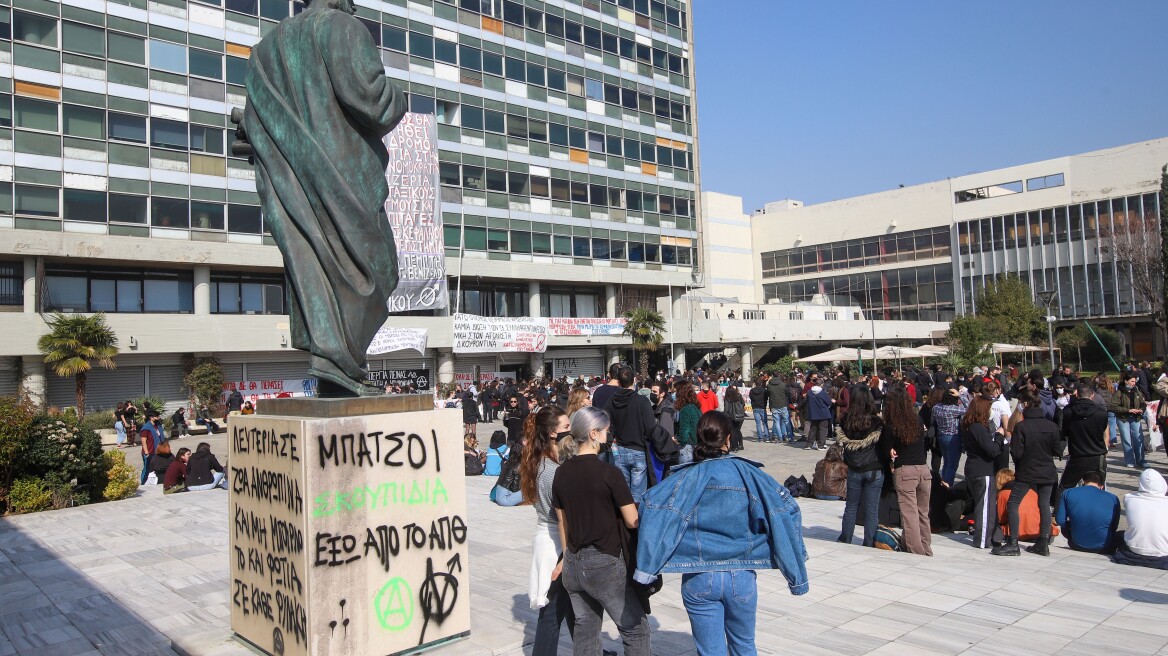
(438, 593)
(394, 605)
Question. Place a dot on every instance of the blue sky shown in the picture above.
(820, 99)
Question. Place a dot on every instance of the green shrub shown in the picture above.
(98, 421)
(61, 452)
(16, 419)
(122, 480)
(29, 494)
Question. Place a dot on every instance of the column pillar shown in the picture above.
(202, 289)
(445, 366)
(610, 301)
(34, 383)
(611, 356)
(536, 363)
(747, 353)
(30, 285)
(794, 350)
(534, 304)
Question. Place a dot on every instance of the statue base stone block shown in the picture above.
(348, 527)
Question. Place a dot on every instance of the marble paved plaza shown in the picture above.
(149, 575)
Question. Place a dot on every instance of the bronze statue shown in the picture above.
(318, 105)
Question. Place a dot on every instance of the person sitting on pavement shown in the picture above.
(1145, 543)
(1029, 519)
(175, 479)
(178, 421)
(161, 461)
(830, 482)
(204, 471)
(1089, 515)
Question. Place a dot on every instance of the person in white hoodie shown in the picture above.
(1145, 543)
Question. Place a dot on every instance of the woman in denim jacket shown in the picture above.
(716, 521)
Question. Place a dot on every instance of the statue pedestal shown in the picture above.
(348, 526)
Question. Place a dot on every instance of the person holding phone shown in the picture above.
(1128, 403)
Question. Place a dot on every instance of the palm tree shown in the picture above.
(645, 327)
(74, 343)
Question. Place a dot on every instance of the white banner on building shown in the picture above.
(475, 334)
(390, 339)
(254, 390)
(415, 215)
(586, 327)
(465, 378)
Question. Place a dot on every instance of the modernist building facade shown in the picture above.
(567, 164)
(921, 253)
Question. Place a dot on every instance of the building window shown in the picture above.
(831, 316)
(247, 294)
(1044, 182)
(795, 315)
(11, 283)
(989, 191)
(754, 314)
(37, 201)
(126, 127)
(166, 56)
(112, 290)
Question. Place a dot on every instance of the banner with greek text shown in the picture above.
(390, 339)
(586, 327)
(475, 334)
(415, 215)
(254, 390)
(419, 378)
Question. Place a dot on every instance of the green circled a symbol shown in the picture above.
(394, 605)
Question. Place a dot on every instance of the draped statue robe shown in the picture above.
(318, 106)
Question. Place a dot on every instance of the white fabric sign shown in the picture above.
(254, 390)
(390, 339)
(475, 334)
(586, 327)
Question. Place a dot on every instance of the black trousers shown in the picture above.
(1017, 493)
(1073, 473)
(736, 435)
(985, 509)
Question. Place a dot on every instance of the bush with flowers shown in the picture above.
(52, 457)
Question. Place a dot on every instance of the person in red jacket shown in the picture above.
(176, 474)
(707, 398)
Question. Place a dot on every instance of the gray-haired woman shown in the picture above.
(585, 493)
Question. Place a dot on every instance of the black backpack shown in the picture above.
(474, 464)
(798, 487)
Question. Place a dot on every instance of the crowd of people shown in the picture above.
(626, 473)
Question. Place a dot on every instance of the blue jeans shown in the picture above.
(762, 431)
(598, 586)
(863, 491)
(507, 498)
(1113, 436)
(721, 607)
(1131, 433)
(121, 430)
(783, 429)
(950, 456)
(218, 480)
(685, 454)
(632, 464)
(145, 468)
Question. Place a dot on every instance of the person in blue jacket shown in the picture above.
(716, 521)
(1089, 516)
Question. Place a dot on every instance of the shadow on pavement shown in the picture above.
(1143, 596)
(51, 607)
(664, 643)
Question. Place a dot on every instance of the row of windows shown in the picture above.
(113, 290)
(868, 251)
(103, 207)
(917, 294)
(516, 14)
(1083, 290)
(471, 58)
(522, 241)
(1055, 225)
(96, 123)
(557, 134)
(555, 301)
(536, 186)
(1009, 188)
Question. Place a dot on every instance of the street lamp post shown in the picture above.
(1047, 296)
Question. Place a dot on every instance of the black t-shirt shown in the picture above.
(591, 493)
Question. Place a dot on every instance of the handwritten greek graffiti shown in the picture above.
(412, 493)
(264, 443)
(276, 488)
(394, 605)
(377, 447)
(438, 603)
(344, 620)
(335, 550)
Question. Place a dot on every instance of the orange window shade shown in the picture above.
(238, 50)
(492, 25)
(23, 88)
(648, 169)
(578, 156)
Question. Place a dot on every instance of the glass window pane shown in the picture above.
(170, 213)
(207, 216)
(563, 245)
(236, 70)
(32, 28)
(35, 114)
(168, 134)
(206, 64)
(83, 205)
(452, 236)
(581, 247)
(244, 219)
(126, 48)
(393, 38)
(228, 293)
(37, 201)
(274, 9)
(76, 37)
(497, 240)
(129, 296)
(475, 239)
(88, 122)
(126, 127)
(207, 140)
(449, 173)
(496, 180)
(167, 296)
(251, 298)
(446, 51)
(421, 45)
(168, 56)
(127, 209)
(66, 293)
(102, 296)
(541, 243)
(472, 177)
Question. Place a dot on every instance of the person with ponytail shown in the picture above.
(596, 512)
(716, 521)
(537, 470)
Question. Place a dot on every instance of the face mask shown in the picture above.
(655, 399)
(562, 435)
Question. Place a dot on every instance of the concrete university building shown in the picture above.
(913, 258)
(567, 162)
